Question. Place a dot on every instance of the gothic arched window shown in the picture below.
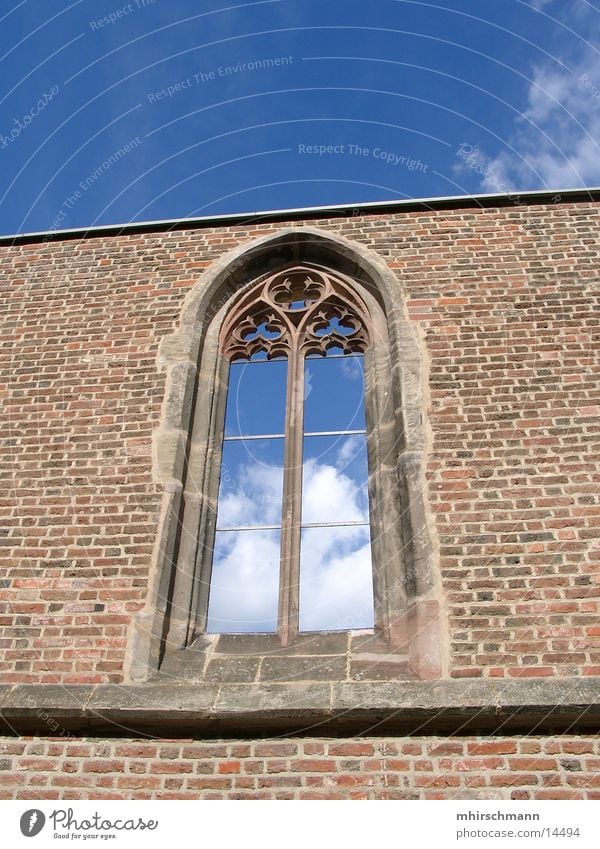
(292, 548)
(294, 538)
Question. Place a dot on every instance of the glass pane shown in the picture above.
(335, 478)
(251, 487)
(244, 588)
(256, 398)
(336, 581)
(334, 393)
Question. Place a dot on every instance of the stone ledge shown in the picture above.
(449, 706)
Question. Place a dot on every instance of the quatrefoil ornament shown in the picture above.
(296, 292)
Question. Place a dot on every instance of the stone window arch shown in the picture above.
(170, 635)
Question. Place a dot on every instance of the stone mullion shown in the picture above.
(289, 579)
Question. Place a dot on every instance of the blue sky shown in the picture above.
(117, 111)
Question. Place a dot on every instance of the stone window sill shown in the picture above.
(254, 658)
(424, 707)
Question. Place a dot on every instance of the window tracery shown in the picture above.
(301, 307)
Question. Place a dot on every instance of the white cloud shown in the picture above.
(352, 367)
(351, 447)
(245, 583)
(555, 143)
(336, 579)
(256, 498)
(329, 495)
(336, 590)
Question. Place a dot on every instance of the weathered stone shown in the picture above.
(251, 644)
(380, 670)
(280, 700)
(321, 643)
(232, 669)
(318, 668)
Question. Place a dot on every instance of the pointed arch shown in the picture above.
(186, 457)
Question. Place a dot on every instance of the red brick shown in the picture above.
(103, 766)
(537, 764)
(492, 747)
(350, 750)
(170, 767)
(305, 765)
(228, 767)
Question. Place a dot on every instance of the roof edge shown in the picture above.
(340, 210)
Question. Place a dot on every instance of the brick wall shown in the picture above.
(366, 768)
(507, 300)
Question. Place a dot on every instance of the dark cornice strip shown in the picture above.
(484, 201)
